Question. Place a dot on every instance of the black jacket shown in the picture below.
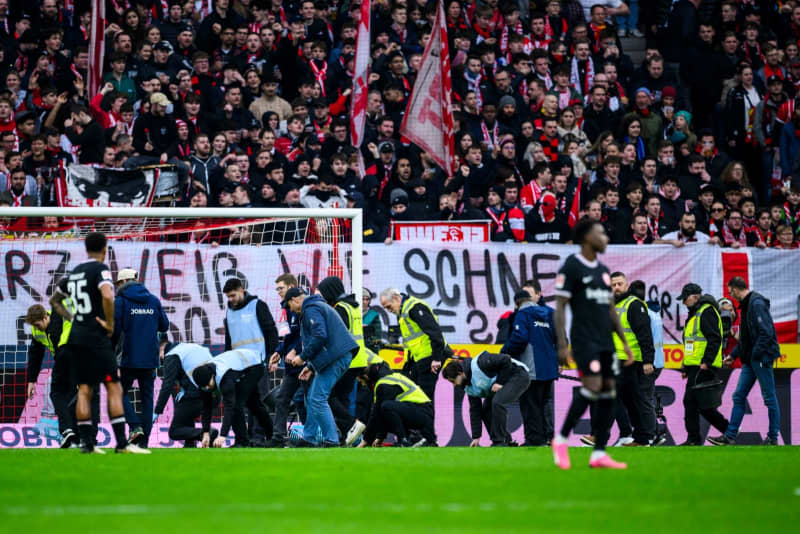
(757, 338)
(160, 131)
(709, 327)
(596, 122)
(499, 365)
(265, 321)
(639, 320)
(91, 142)
(173, 373)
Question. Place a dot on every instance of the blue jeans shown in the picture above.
(319, 414)
(766, 380)
(629, 22)
(145, 379)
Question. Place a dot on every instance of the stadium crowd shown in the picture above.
(249, 101)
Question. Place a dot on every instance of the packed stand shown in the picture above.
(249, 103)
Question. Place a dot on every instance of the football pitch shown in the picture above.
(698, 489)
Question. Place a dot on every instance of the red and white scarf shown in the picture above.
(320, 73)
(729, 238)
(581, 85)
(504, 35)
(490, 138)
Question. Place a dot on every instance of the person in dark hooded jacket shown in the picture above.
(139, 318)
(345, 304)
(420, 201)
(533, 341)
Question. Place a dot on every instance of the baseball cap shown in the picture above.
(159, 98)
(164, 46)
(688, 290)
(127, 274)
(386, 147)
(292, 293)
(774, 79)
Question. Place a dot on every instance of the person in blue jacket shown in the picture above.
(328, 349)
(533, 342)
(139, 318)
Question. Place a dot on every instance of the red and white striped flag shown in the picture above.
(96, 47)
(575, 209)
(358, 101)
(428, 121)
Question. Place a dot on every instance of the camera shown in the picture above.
(727, 317)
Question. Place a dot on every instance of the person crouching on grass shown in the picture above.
(499, 379)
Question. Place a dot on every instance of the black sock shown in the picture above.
(118, 424)
(604, 420)
(85, 432)
(575, 412)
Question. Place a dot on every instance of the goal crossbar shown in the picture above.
(214, 213)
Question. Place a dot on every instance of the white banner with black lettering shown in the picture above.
(469, 287)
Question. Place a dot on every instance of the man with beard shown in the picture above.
(15, 196)
(687, 231)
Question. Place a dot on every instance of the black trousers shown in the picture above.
(247, 394)
(398, 417)
(533, 406)
(64, 394)
(420, 372)
(692, 413)
(510, 393)
(182, 428)
(339, 401)
(283, 401)
(637, 392)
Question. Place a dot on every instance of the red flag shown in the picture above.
(96, 47)
(428, 121)
(576, 205)
(358, 102)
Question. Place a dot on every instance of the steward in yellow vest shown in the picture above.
(702, 356)
(399, 405)
(426, 348)
(49, 332)
(636, 383)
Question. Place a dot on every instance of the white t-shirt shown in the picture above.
(699, 237)
(587, 6)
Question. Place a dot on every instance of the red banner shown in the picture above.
(428, 121)
(441, 231)
(96, 47)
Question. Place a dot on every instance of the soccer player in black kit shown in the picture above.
(585, 284)
(91, 292)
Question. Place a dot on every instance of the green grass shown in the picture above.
(701, 489)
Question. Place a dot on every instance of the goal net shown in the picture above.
(183, 256)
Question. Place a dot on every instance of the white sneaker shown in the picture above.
(98, 450)
(354, 433)
(622, 33)
(131, 448)
(637, 33)
(621, 442)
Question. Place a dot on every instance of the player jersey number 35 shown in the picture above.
(82, 286)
